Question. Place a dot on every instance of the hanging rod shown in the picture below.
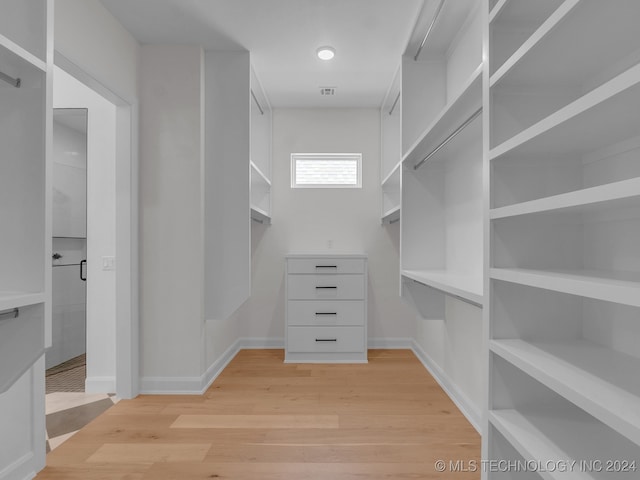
(258, 220)
(13, 313)
(449, 138)
(16, 82)
(257, 102)
(396, 220)
(395, 102)
(426, 36)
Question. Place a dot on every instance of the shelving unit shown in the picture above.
(391, 196)
(260, 164)
(260, 195)
(26, 57)
(564, 222)
(391, 147)
(442, 191)
(442, 197)
(22, 194)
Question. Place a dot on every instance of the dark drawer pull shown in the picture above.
(326, 339)
(327, 288)
(326, 313)
(326, 266)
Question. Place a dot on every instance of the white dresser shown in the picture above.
(326, 309)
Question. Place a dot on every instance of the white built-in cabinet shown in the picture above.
(237, 187)
(391, 150)
(260, 171)
(326, 308)
(25, 223)
(562, 90)
(442, 191)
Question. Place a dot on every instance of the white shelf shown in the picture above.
(593, 35)
(599, 380)
(262, 177)
(392, 215)
(497, 9)
(467, 288)
(451, 116)
(578, 126)
(260, 215)
(10, 300)
(616, 287)
(562, 438)
(394, 176)
(612, 195)
(21, 53)
(548, 26)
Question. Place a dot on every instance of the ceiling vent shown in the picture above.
(327, 91)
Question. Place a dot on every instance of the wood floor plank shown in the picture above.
(150, 453)
(261, 418)
(256, 421)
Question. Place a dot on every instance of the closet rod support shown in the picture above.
(395, 102)
(7, 314)
(426, 35)
(15, 82)
(257, 103)
(449, 138)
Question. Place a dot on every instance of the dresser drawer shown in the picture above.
(325, 339)
(322, 287)
(325, 312)
(325, 265)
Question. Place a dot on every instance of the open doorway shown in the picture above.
(85, 277)
(66, 358)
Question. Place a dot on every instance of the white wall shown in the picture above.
(101, 226)
(171, 231)
(304, 220)
(90, 37)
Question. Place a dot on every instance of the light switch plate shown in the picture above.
(108, 263)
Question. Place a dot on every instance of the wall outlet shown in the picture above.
(329, 244)
(108, 263)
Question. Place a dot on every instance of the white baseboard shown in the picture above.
(100, 385)
(22, 468)
(252, 343)
(465, 405)
(170, 385)
(390, 343)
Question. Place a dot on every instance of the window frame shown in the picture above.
(327, 156)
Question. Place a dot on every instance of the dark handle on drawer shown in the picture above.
(326, 266)
(326, 339)
(326, 313)
(327, 288)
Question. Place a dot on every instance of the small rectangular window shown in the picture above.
(326, 170)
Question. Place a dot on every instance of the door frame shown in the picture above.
(127, 321)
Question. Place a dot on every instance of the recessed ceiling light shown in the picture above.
(326, 53)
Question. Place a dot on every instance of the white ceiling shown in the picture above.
(282, 35)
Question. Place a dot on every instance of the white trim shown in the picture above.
(100, 384)
(171, 385)
(254, 343)
(468, 409)
(326, 156)
(390, 343)
(127, 275)
(21, 468)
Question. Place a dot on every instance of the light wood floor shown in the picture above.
(265, 420)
